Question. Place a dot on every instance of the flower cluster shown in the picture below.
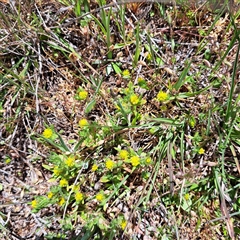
(134, 99)
(100, 197)
(201, 151)
(123, 224)
(34, 203)
(123, 154)
(126, 74)
(94, 167)
(79, 197)
(110, 164)
(135, 161)
(83, 123)
(162, 96)
(63, 182)
(70, 161)
(50, 195)
(47, 133)
(83, 95)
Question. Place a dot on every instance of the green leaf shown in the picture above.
(116, 68)
(104, 179)
(182, 77)
(63, 145)
(194, 186)
(90, 106)
(46, 167)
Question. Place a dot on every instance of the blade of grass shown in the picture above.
(182, 77)
(138, 50)
(167, 121)
(234, 74)
(162, 150)
(115, 191)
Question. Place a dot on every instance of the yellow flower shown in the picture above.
(50, 195)
(63, 183)
(94, 167)
(83, 123)
(162, 96)
(187, 196)
(126, 73)
(82, 94)
(123, 224)
(100, 197)
(149, 57)
(70, 161)
(135, 161)
(201, 151)
(192, 122)
(8, 160)
(134, 99)
(123, 154)
(56, 171)
(110, 164)
(141, 80)
(148, 160)
(62, 201)
(47, 133)
(34, 203)
(79, 197)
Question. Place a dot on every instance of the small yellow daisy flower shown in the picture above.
(123, 154)
(126, 73)
(63, 183)
(83, 123)
(56, 171)
(135, 161)
(100, 197)
(47, 133)
(83, 94)
(123, 224)
(110, 164)
(134, 99)
(61, 202)
(94, 167)
(201, 151)
(162, 96)
(70, 161)
(50, 195)
(78, 197)
(34, 203)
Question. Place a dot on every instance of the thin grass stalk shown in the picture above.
(230, 98)
(137, 51)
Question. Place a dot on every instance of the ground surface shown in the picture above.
(47, 54)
